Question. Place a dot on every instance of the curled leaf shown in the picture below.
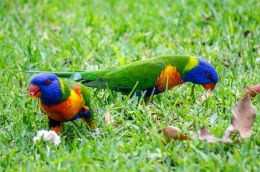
(244, 114)
(174, 133)
(252, 91)
(204, 134)
(229, 131)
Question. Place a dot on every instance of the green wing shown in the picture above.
(86, 94)
(85, 91)
(144, 72)
(125, 78)
(87, 97)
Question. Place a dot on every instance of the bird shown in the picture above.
(152, 76)
(61, 100)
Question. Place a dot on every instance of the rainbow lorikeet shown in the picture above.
(154, 75)
(61, 100)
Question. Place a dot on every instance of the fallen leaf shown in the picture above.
(204, 134)
(229, 131)
(174, 133)
(252, 91)
(244, 114)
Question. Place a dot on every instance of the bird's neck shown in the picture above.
(65, 89)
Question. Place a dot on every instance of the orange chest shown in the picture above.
(168, 78)
(65, 110)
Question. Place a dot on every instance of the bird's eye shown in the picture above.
(208, 75)
(48, 82)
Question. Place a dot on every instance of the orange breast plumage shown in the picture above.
(65, 110)
(169, 75)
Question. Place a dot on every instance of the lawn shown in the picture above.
(52, 35)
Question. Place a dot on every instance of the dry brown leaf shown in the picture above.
(252, 91)
(205, 135)
(244, 114)
(174, 133)
(229, 131)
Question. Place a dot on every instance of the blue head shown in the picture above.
(46, 86)
(203, 73)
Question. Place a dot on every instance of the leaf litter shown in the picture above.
(244, 114)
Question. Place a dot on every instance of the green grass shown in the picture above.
(85, 35)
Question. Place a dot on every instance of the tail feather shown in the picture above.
(84, 76)
(59, 74)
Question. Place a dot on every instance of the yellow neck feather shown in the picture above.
(193, 61)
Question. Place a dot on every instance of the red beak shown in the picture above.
(35, 91)
(209, 86)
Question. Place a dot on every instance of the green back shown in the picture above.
(144, 72)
